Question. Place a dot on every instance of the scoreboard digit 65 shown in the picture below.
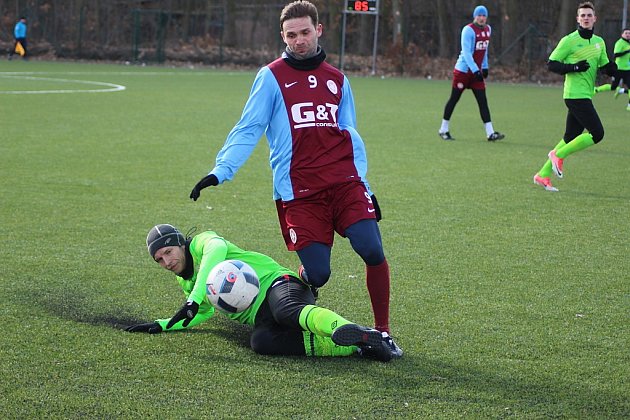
(362, 6)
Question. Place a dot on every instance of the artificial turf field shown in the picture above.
(509, 301)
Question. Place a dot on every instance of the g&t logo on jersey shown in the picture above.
(482, 45)
(307, 114)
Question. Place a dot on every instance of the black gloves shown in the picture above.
(484, 73)
(610, 69)
(149, 327)
(580, 66)
(478, 76)
(562, 68)
(377, 209)
(206, 181)
(188, 312)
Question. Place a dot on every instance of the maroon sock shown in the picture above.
(377, 279)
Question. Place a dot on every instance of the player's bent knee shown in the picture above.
(598, 135)
(261, 341)
(372, 255)
(318, 275)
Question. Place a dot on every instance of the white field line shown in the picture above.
(109, 87)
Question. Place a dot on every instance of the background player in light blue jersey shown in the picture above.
(305, 108)
(470, 71)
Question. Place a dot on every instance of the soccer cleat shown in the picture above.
(385, 351)
(391, 345)
(556, 163)
(544, 182)
(304, 278)
(379, 352)
(619, 92)
(496, 136)
(356, 335)
(445, 136)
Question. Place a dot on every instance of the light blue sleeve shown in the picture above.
(243, 138)
(346, 114)
(466, 60)
(347, 120)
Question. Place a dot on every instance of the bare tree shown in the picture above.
(445, 27)
(566, 19)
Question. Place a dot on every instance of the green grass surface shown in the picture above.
(508, 300)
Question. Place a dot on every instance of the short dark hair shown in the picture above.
(298, 9)
(586, 5)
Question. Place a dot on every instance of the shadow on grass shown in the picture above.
(418, 383)
(412, 380)
(79, 308)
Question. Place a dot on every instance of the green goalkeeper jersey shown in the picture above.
(573, 48)
(623, 62)
(207, 250)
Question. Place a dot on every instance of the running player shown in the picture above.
(622, 60)
(578, 56)
(318, 159)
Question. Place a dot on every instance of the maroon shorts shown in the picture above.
(317, 217)
(463, 81)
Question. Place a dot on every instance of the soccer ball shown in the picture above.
(232, 286)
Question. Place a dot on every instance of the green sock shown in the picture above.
(603, 88)
(545, 171)
(581, 142)
(316, 345)
(320, 321)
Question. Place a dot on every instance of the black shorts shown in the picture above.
(277, 328)
(286, 298)
(582, 116)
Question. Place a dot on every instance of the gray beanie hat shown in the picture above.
(163, 235)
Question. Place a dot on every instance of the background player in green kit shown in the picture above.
(578, 56)
(286, 321)
(622, 60)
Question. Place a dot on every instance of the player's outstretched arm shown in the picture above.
(207, 181)
(149, 327)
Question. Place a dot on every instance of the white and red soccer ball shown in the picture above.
(232, 286)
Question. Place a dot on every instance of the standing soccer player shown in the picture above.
(578, 56)
(19, 33)
(318, 159)
(622, 60)
(471, 70)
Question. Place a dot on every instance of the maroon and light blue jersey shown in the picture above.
(474, 54)
(308, 117)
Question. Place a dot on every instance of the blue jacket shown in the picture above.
(20, 30)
